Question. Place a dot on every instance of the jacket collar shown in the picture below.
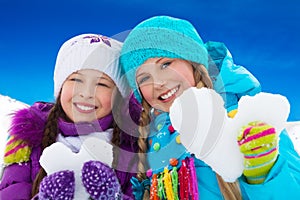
(84, 128)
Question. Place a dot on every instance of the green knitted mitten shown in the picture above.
(258, 142)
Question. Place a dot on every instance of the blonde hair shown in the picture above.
(230, 191)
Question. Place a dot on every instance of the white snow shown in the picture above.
(92, 149)
(7, 107)
(207, 132)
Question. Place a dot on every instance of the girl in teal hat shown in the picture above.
(163, 56)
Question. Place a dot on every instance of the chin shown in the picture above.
(165, 109)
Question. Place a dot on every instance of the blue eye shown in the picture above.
(143, 79)
(165, 65)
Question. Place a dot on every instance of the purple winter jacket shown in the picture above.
(28, 125)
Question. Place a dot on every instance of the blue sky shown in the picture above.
(262, 35)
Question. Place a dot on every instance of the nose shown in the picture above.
(159, 83)
(86, 92)
(84, 95)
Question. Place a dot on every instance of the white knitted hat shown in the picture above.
(89, 51)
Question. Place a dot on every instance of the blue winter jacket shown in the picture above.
(232, 82)
(282, 182)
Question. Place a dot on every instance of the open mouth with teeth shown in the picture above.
(85, 108)
(170, 94)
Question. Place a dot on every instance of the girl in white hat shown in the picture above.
(89, 96)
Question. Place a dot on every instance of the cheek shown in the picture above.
(66, 94)
(147, 92)
(106, 103)
(106, 99)
(187, 77)
(191, 80)
(66, 101)
(184, 72)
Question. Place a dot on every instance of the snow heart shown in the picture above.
(58, 157)
(205, 130)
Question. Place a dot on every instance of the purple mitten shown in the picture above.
(100, 181)
(59, 185)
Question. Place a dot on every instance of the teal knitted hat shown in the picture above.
(160, 36)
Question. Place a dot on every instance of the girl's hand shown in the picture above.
(258, 142)
(59, 185)
(100, 181)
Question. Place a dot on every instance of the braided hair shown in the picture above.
(230, 191)
(49, 137)
(51, 131)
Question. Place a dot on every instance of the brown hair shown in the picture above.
(117, 123)
(230, 191)
(51, 131)
(49, 137)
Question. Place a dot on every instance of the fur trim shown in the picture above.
(28, 124)
(26, 131)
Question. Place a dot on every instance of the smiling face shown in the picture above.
(161, 80)
(87, 95)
